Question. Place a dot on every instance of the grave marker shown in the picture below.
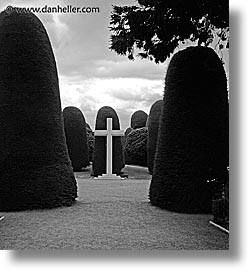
(109, 133)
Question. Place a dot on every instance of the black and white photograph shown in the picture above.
(117, 127)
(122, 136)
(114, 125)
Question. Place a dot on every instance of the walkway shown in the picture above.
(109, 215)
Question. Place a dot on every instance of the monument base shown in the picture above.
(108, 177)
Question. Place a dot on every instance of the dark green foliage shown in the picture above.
(76, 139)
(138, 119)
(91, 141)
(99, 156)
(193, 135)
(135, 149)
(35, 170)
(153, 125)
(157, 27)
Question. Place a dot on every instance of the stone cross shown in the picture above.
(109, 133)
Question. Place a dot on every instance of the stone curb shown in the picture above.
(220, 227)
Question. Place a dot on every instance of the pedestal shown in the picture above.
(109, 177)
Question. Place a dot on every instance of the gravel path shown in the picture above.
(109, 215)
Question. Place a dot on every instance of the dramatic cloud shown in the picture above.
(124, 95)
(90, 75)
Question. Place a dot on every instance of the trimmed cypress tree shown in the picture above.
(99, 156)
(138, 119)
(35, 170)
(76, 137)
(193, 134)
(153, 125)
(135, 149)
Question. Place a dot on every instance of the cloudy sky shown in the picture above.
(90, 75)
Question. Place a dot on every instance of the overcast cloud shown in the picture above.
(90, 75)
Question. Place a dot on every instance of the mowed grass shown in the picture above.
(109, 215)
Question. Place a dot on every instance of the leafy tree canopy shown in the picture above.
(155, 28)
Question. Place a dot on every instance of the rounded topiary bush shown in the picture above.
(35, 170)
(135, 149)
(193, 133)
(99, 155)
(153, 126)
(138, 119)
(76, 137)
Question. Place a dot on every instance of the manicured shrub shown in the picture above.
(135, 149)
(99, 156)
(138, 119)
(35, 170)
(91, 141)
(127, 131)
(76, 137)
(153, 125)
(193, 133)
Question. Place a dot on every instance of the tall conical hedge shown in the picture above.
(138, 119)
(35, 170)
(193, 135)
(153, 125)
(99, 155)
(76, 137)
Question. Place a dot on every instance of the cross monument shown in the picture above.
(109, 133)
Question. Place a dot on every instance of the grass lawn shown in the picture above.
(110, 215)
